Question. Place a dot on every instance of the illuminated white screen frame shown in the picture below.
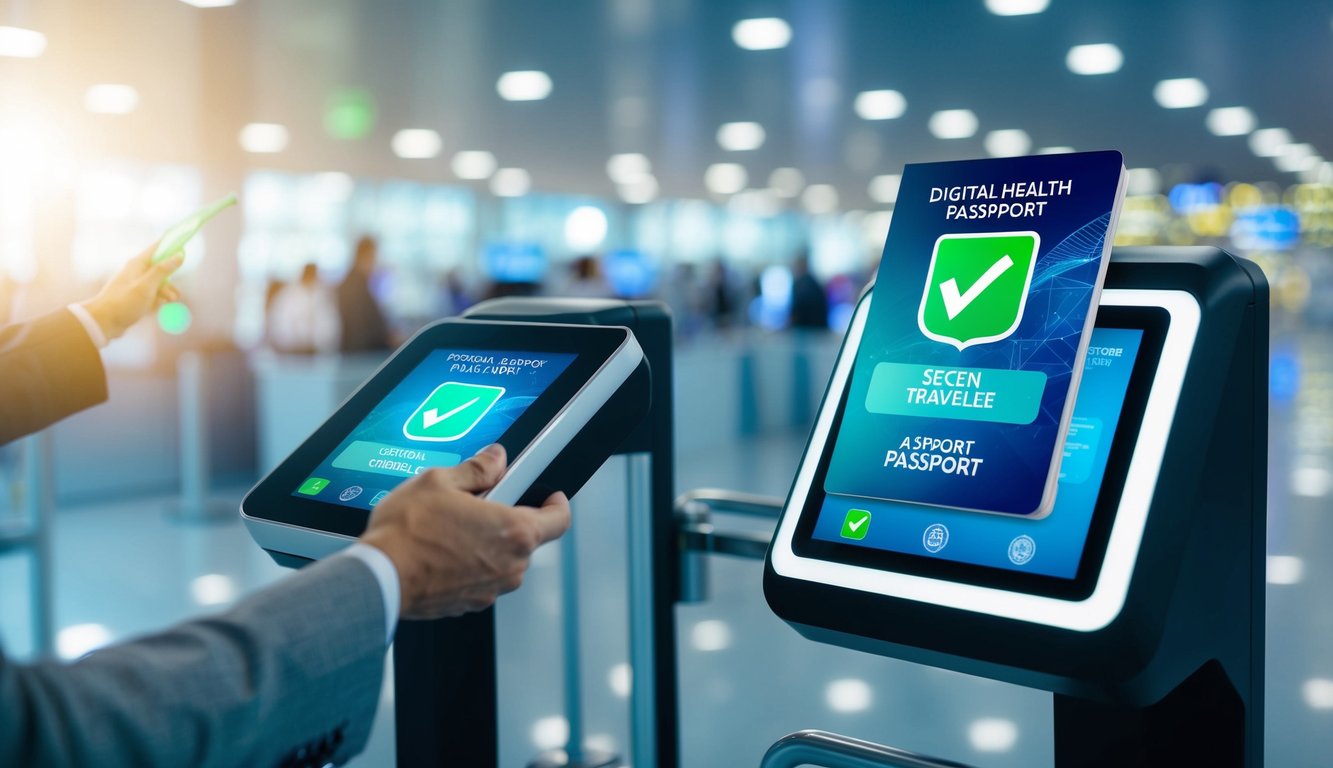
(1108, 597)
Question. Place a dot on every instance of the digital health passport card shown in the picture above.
(964, 383)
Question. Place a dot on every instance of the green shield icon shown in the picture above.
(977, 287)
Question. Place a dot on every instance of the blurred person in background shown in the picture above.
(809, 303)
(364, 328)
(585, 280)
(453, 295)
(683, 293)
(303, 318)
(721, 296)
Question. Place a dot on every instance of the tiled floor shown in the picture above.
(124, 567)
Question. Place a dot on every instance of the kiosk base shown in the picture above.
(589, 759)
(1202, 722)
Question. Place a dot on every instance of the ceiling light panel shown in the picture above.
(473, 164)
(1008, 142)
(264, 138)
(1094, 59)
(1016, 7)
(761, 34)
(417, 143)
(20, 43)
(111, 99)
(1230, 121)
(953, 124)
(1180, 93)
(740, 137)
(524, 85)
(628, 167)
(725, 178)
(510, 182)
(1268, 142)
(879, 105)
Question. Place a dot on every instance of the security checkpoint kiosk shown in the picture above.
(1139, 601)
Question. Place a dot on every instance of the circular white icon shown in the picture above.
(935, 538)
(1021, 549)
(350, 492)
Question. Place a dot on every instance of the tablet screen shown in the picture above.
(451, 405)
(1052, 546)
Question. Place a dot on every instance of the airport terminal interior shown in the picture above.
(738, 161)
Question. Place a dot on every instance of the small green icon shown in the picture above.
(855, 524)
(977, 287)
(349, 114)
(451, 411)
(174, 318)
(313, 486)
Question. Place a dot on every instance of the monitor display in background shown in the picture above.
(1052, 546)
(629, 273)
(514, 262)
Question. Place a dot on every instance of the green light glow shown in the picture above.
(174, 318)
(350, 114)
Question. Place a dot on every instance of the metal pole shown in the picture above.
(40, 503)
(574, 755)
(194, 504)
(193, 436)
(569, 623)
(642, 658)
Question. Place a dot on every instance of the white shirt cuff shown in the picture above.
(387, 576)
(90, 325)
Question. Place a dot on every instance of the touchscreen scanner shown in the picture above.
(1144, 580)
(1051, 546)
(559, 398)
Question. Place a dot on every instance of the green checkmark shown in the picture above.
(855, 525)
(977, 287)
(312, 486)
(451, 411)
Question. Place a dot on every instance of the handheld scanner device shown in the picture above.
(560, 399)
(1156, 534)
(175, 238)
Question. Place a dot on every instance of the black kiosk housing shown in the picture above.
(1174, 674)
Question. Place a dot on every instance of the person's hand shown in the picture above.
(456, 552)
(137, 288)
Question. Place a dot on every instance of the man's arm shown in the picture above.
(49, 369)
(291, 676)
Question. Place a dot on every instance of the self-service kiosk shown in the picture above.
(565, 382)
(1139, 601)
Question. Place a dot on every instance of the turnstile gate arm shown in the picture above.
(831, 750)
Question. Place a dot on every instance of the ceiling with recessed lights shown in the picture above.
(703, 94)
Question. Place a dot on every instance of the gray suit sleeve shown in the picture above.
(289, 677)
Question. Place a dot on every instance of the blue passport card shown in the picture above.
(964, 383)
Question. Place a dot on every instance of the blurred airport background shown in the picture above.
(398, 161)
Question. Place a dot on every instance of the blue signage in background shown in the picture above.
(1266, 228)
(1193, 198)
(510, 262)
(772, 307)
(1284, 373)
(629, 273)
